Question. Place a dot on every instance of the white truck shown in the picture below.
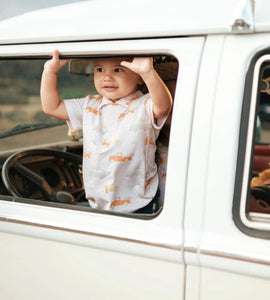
(210, 238)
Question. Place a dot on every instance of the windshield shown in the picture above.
(22, 121)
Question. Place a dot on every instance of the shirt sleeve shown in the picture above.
(156, 123)
(75, 109)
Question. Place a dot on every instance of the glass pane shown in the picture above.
(20, 104)
(24, 126)
(260, 181)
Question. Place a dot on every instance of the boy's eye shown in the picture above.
(100, 69)
(118, 70)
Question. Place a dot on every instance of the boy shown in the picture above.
(120, 127)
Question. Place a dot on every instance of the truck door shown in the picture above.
(227, 212)
(55, 251)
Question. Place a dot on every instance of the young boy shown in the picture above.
(120, 126)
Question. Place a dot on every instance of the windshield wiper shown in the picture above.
(29, 127)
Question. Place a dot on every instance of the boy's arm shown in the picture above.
(50, 98)
(159, 93)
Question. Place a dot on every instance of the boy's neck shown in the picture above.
(130, 95)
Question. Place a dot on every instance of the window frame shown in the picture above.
(38, 202)
(250, 223)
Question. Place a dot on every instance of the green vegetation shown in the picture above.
(20, 91)
(20, 81)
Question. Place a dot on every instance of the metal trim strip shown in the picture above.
(222, 254)
(189, 249)
(108, 236)
(234, 256)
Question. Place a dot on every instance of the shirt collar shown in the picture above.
(125, 102)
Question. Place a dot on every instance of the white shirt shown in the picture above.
(119, 168)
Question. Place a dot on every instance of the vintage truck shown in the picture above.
(210, 237)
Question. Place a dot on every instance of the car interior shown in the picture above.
(259, 200)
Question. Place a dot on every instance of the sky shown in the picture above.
(11, 8)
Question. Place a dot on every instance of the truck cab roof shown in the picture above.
(118, 19)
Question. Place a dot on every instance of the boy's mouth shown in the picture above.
(109, 88)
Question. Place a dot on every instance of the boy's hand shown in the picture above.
(55, 64)
(139, 65)
(159, 93)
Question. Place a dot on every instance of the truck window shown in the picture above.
(252, 213)
(24, 128)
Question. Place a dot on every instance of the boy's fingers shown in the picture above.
(55, 54)
(65, 61)
(125, 63)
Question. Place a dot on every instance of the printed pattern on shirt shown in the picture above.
(119, 168)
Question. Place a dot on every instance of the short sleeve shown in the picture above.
(75, 108)
(156, 123)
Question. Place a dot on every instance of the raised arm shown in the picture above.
(159, 93)
(50, 98)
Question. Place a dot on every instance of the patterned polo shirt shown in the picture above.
(119, 169)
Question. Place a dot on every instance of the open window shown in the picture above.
(32, 168)
(252, 212)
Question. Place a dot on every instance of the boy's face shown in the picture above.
(114, 81)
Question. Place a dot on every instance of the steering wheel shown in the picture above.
(15, 164)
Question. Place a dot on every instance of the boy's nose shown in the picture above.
(108, 77)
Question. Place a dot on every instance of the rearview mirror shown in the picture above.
(81, 67)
